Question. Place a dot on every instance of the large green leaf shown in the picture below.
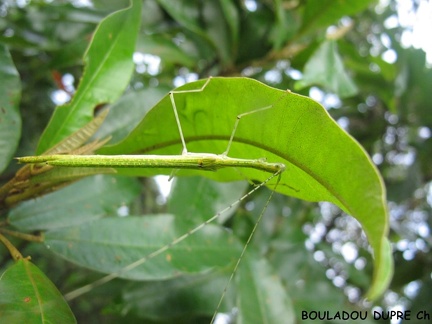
(111, 244)
(28, 296)
(87, 200)
(10, 118)
(109, 66)
(323, 163)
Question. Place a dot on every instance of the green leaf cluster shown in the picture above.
(106, 222)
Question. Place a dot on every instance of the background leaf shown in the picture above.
(197, 198)
(262, 297)
(305, 243)
(107, 73)
(88, 199)
(27, 295)
(176, 299)
(318, 14)
(127, 112)
(164, 48)
(325, 68)
(10, 118)
(109, 245)
(214, 21)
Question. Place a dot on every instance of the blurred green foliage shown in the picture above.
(332, 52)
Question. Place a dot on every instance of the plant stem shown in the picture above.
(24, 236)
(16, 255)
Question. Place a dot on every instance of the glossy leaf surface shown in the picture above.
(108, 69)
(28, 296)
(109, 245)
(323, 162)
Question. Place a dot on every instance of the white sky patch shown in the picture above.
(222, 318)
(123, 211)
(423, 230)
(164, 185)
(22, 3)
(316, 94)
(82, 3)
(273, 76)
(328, 100)
(377, 158)
(68, 82)
(349, 252)
(319, 256)
(60, 97)
(418, 25)
(424, 132)
(360, 263)
(147, 63)
(343, 122)
(412, 289)
(391, 22)
(251, 5)
(184, 78)
(294, 74)
(390, 56)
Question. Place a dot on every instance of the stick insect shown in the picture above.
(187, 160)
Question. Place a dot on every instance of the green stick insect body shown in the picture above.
(197, 161)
